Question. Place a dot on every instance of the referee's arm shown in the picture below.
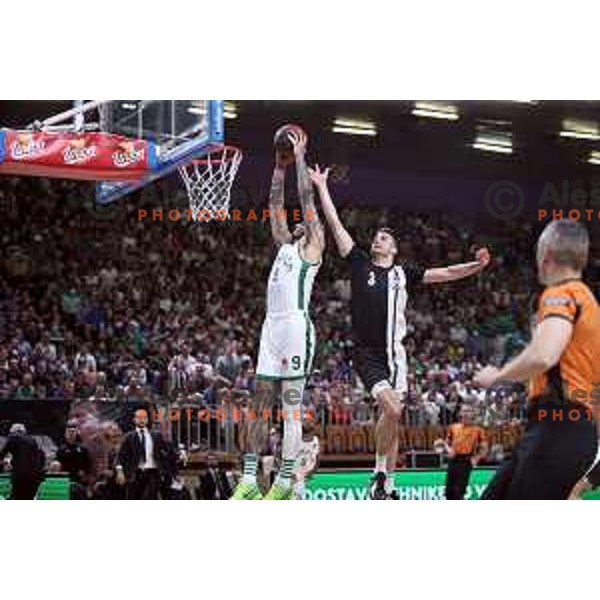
(482, 449)
(450, 443)
(342, 238)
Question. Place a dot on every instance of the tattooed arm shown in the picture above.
(315, 238)
(279, 228)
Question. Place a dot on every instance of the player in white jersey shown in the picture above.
(287, 339)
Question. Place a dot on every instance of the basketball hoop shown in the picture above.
(208, 181)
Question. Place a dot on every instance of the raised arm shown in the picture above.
(343, 240)
(279, 227)
(315, 240)
(455, 272)
(482, 449)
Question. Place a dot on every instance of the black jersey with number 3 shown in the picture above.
(379, 297)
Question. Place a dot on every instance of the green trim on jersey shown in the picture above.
(279, 378)
(268, 377)
(307, 345)
(303, 272)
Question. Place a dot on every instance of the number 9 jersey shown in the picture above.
(287, 340)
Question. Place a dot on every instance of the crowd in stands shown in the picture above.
(118, 309)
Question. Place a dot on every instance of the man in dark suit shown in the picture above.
(141, 460)
(212, 482)
(27, 463)
(74, 457)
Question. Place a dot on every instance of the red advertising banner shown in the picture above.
(91, 156)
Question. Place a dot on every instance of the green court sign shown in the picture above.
(411, 485)
(52, 488)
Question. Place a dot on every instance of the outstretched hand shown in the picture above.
(483, 257)
(299, 141)
(318, 177)
(486, 377)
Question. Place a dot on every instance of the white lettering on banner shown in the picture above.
(127, 158)
(336, 494)
(74, 155)
(479, 489)
(360, 493)
(423, 492)
(26, 149)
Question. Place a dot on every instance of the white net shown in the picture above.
(209, 180)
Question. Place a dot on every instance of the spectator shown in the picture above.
(26, 391)
(229, 363)
(26, 463)
(182, 369)
(74, 457)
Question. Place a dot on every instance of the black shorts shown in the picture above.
(374, 367)
(551, 456)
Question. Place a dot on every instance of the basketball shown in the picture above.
(281, 141)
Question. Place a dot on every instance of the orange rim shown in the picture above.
(228, 153)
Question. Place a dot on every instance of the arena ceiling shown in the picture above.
(405, 140)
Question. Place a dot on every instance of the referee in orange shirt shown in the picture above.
(467, 445)
(562, 364)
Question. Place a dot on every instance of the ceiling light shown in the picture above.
(579, 135)
(230, 110)
(494, 141)
(583, 130)
(594, 158)
(354, 127)
(436, 110)
(354, 131)
(492, 148)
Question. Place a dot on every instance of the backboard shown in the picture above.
(120, 144)
(180, 130)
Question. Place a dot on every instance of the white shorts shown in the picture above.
(287, 347)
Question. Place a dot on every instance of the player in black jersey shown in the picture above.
(380, 287)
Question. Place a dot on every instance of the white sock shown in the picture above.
(390, 484)
(250, 464)
(284, 477)
(380, 463)
(299, 489)
(292, 392)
